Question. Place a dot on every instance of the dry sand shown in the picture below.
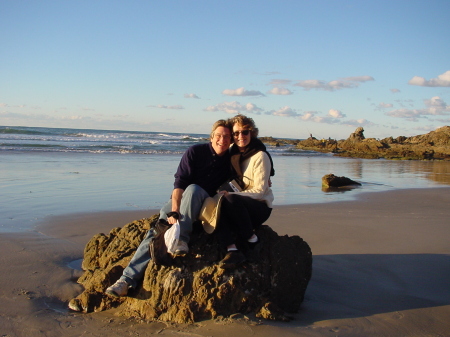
(381, 268)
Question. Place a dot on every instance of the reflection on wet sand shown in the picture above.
(437, 171)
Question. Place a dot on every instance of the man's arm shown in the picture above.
(177, 193)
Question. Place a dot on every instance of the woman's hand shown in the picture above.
(225, 193)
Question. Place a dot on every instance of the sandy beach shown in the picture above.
(381, 267)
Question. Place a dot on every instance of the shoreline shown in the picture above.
(381, 266)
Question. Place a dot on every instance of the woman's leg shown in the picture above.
(241, 215)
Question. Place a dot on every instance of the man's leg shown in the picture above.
(135, 270)
(191, 204)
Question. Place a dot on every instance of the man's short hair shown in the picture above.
(219, 123)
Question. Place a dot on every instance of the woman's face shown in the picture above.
(242, 136)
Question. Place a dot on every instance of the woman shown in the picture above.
(243, 212)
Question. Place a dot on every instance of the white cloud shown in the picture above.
(383, 105)
(435, 106)
(395, 91)
(284, 112)
(425, 128)
(280, 82)
(309, 116)
(242, 92)
(408, 114)
(358, 122)
(333, 117)
(191, 96)
(359, 78)
(280, 91)
(336, 113)
(234, 108)
(172, 107)
(435, 102)
(42, 117)
(344, 83)
(442, 80)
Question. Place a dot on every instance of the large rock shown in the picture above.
(330, 180)
(271, 284)
(431, 146)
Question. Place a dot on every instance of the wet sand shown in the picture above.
(381, 268)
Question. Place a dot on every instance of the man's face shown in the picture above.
(221, 140)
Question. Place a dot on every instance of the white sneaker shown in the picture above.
(181, 249)
(118, 289)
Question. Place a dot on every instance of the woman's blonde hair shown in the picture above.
(246, 122)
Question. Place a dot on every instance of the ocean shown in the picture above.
(55, 171)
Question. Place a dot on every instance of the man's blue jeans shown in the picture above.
(191, 203)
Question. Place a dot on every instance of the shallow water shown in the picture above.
(34, 185)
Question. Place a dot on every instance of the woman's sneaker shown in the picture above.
(118, 289)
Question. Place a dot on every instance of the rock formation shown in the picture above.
(330, 180)
(434, 145)
(271, 283)
(358, 135)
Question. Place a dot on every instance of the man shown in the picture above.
(202, 169)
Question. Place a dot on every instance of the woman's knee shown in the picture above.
(231, 198)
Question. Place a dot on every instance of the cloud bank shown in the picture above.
(242, 92)
(191, 96)
(435, 106)
(161, 106)
(279, 91)
(442, 80)
(344, 83)
(235, 108)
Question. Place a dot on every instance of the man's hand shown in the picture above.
(172, 217)
(177, 193)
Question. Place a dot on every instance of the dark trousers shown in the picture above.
(239, 216)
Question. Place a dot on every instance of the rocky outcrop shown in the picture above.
(434, 145)
(278, 142)
(330, 180)
(271, 283)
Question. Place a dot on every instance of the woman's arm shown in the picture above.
(257, 175)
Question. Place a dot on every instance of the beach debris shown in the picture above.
(270, 284)
(330, 180)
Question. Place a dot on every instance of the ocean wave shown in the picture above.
(111, 141)
(19, 131)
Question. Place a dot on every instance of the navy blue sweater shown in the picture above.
(202, 166)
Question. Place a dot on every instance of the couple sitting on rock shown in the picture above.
(202, 171)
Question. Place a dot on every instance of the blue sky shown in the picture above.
(296, 67)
